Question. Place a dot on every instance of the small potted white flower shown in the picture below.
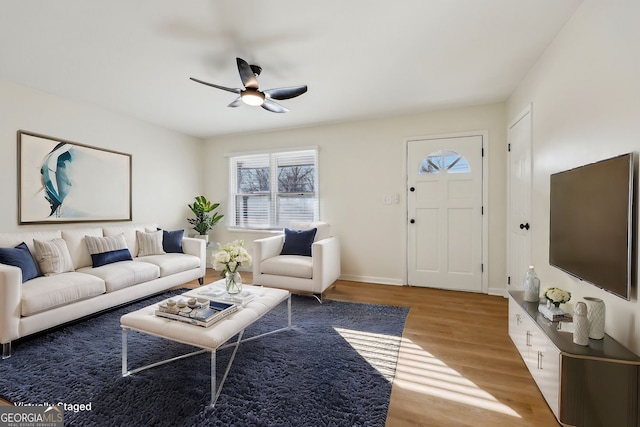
(229, 259)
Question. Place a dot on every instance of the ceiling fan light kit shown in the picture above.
(252, 95)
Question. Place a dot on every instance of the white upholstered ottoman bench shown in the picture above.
(209, 339)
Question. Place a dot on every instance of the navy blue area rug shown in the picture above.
(333, 368)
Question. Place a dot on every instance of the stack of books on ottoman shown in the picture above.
(198, 312)
(218, 292)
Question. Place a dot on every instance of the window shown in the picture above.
(444, 160)
(270, 190)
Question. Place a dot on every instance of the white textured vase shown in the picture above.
(531, 285)
(580, 324)
(596, 314)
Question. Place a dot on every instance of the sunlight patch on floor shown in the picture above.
(421, 372)
(379, 350)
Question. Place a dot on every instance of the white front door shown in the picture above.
(444, 205)
(519, 199)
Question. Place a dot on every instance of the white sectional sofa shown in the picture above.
(50, 300)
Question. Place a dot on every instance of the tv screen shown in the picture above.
(591, 223)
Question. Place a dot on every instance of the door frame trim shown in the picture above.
(484, 134)
(527, 110)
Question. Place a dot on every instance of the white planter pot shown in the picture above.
(204, 237)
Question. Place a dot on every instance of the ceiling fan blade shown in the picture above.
(273, 106)
(285, 92)
(228, 89)
(246, 74)
(238, 102)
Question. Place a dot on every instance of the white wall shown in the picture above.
(360, 163)
(166, 165)
(585, 95)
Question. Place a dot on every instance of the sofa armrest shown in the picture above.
(10, 297)
(326, 262)
(265, 248)
(196, 247)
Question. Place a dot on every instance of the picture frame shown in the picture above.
(61, 181)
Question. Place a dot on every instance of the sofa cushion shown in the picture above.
(107, 250)
(172, 241)
(149, 243)
(21, 257)
(44, 293)
(10, 240)
(172, 263)
(123, 274)
(53, 256)
(298, 242)
(288, 265)
(77, 245)
(129, 232)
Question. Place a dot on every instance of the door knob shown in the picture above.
(524, 226)
(412, 189)
(412, 221)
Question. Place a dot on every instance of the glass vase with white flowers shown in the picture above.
(556, 296)
(229, 258)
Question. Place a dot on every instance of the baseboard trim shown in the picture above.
(371, 279)
(501, 292)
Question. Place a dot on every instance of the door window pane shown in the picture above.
(447, 161)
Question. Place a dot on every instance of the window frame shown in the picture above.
(272, 194)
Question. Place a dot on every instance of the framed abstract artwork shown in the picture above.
(64, 181)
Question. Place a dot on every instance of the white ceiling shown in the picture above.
(360, 58)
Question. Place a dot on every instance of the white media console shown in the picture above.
(596, 385)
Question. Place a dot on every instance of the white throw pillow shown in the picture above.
(99, 245)
(149, 243)
(53, 256)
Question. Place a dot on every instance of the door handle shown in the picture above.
(412, 189)
(412, 221)
(524, 226)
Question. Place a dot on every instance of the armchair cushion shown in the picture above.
(288, 265)
(298, 242)
(324, 230)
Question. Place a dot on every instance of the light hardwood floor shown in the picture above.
(457, 365)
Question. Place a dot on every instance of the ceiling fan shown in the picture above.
(252, 95)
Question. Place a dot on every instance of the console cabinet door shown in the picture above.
(545, 368)
(540, 356)
(518, 328)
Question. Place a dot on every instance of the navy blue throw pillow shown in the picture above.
(172, 241)
(298, 242)
(20, 256)
(109, 257)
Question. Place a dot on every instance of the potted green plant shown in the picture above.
(205, 218)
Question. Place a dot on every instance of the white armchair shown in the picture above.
(308, 274)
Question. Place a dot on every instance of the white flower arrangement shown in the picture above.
(557, 296)
(231, 257)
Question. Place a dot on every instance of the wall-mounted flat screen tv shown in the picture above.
(591, 223)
